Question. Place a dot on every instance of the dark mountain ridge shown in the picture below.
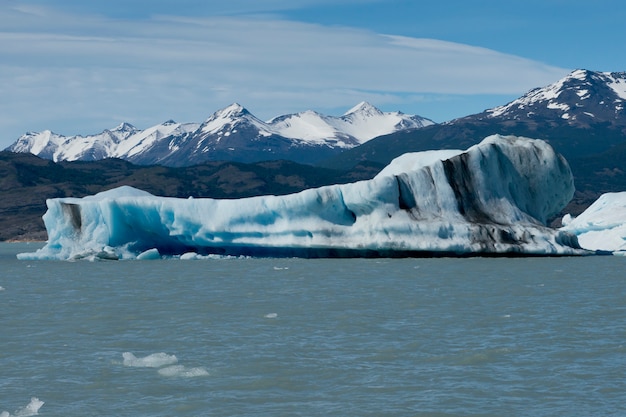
(26, 181)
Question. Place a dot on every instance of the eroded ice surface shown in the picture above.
(603, 225)
(493, 198)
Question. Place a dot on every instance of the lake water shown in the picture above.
(293, 337)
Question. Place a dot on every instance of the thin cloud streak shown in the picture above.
(59, 67)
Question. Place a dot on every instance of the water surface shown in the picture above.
(293, 337)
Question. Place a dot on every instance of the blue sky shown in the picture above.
(79, 67)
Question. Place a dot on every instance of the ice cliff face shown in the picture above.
(492, 199)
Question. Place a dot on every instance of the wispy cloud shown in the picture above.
(60, 68)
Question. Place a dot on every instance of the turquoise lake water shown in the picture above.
(294, 337)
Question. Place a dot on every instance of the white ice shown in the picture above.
(31, 409)
(493, 198)
(167, 364)
(155, 360)
(181, 371)
(603, 225)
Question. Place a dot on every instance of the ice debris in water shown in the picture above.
(150, 254)
(32, 409)
(166, 363)
(155, 360)
(182, 371)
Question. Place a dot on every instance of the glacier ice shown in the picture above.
(602, 226)
(493, 198)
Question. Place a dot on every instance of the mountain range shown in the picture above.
(232, 134)
(582, 116)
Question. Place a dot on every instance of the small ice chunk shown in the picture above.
(155, 360)
(149, 255)
(183, 372)
(32, 409)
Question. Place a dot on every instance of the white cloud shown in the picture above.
(75, 71)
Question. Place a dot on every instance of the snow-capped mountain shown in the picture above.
(232, 133)
(57, 147)
(124, 141)
(358, 125)
(582, 98)
(580, 115)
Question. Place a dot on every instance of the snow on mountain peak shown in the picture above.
(234, 110)
(124, 127)
(229, 126)
(571, 97)
(617, 82)
(364, 108)
(358, 125)
(228, 117)
(579, 74)
(38, 143)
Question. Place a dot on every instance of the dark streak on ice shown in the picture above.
(460, 177)
(72, 211)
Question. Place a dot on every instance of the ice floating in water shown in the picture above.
(165, 362)
(150, 254)
(181, 371)
(494, 198)
(32, 409)
(188, 256)
(602, 226)
(155, 360)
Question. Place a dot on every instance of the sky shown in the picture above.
(79, 67)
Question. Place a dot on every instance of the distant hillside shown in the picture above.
(26, 181)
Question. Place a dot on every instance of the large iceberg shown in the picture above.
(492, 199)
(602, 227)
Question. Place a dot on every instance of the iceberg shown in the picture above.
(602, 227)
(493, 199)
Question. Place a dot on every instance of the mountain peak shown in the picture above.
(363, 108)
(579, 74)
(234, 110)
(581, 98)
(124, 127)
